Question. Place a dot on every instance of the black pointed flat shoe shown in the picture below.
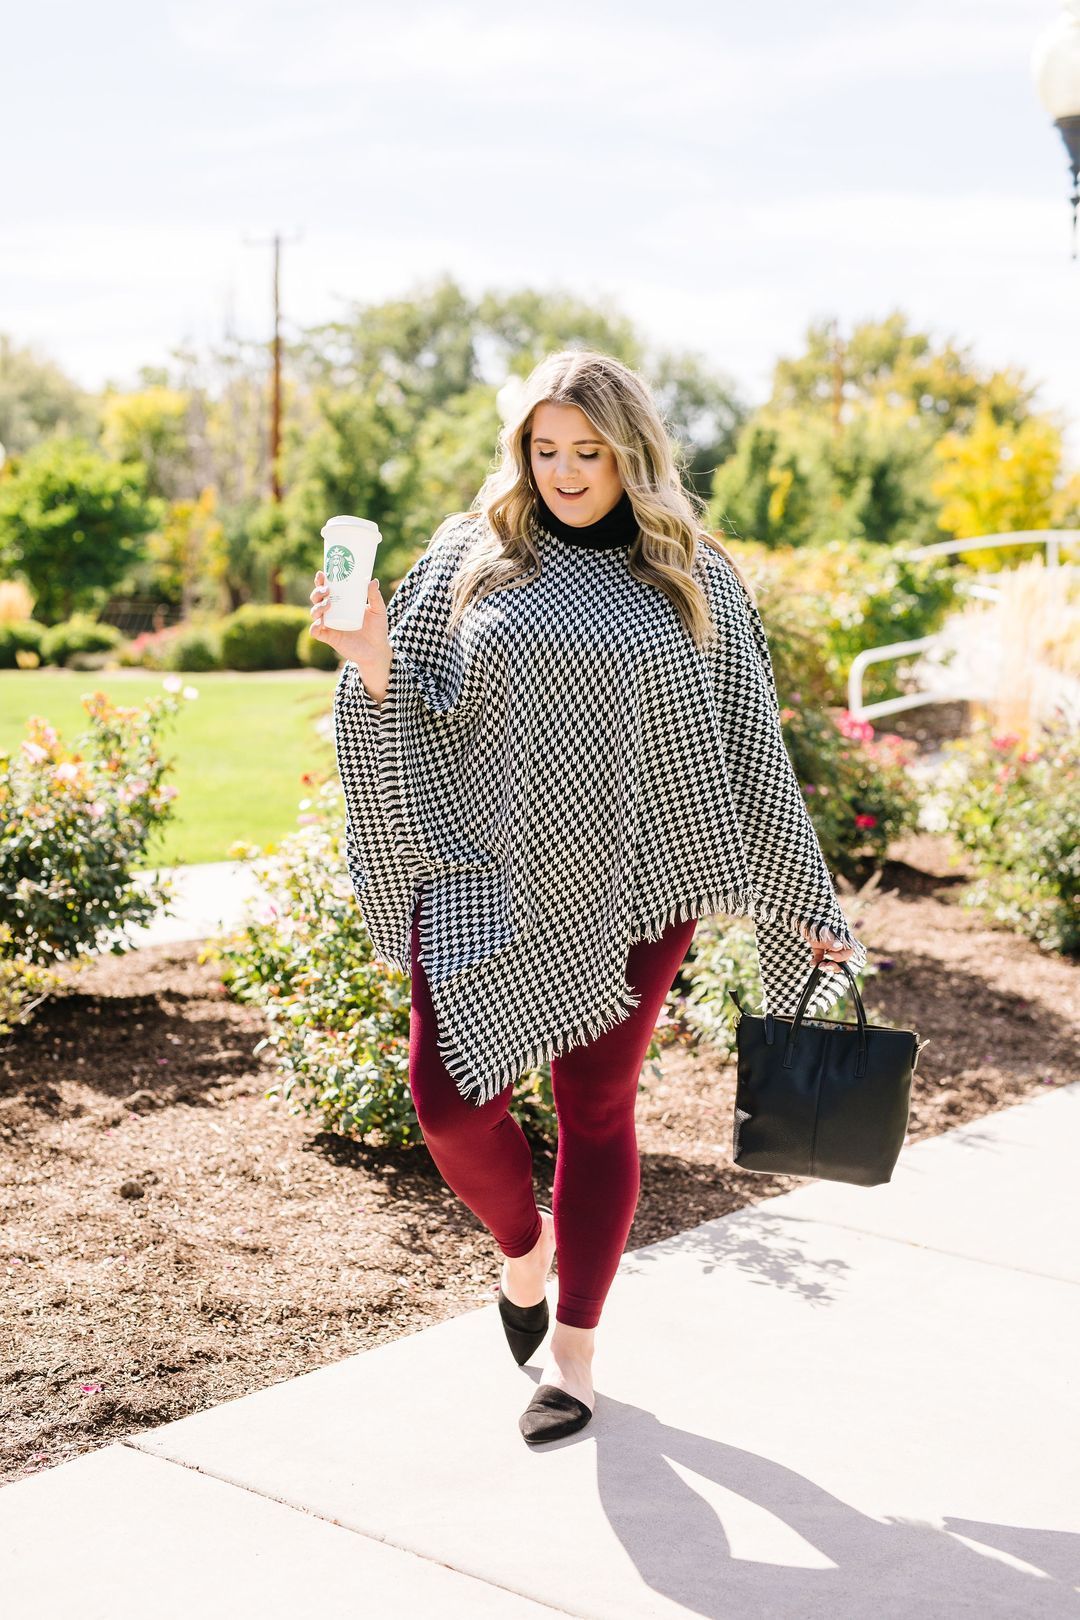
(551, 1414)
(524, 1325)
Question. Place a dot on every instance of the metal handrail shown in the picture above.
(1051, 539)
(879, 655)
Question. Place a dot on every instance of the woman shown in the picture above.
(560, 747)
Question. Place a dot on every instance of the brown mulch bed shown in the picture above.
(172, 1240)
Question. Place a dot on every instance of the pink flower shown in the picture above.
(857, 730)
(98, 809)
(34, 751)
(306, 820)
(172, 683)
(66, 772)
(1005, 741)
(866, 821)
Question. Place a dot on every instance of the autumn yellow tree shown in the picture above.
(998, 477)
(151, 425)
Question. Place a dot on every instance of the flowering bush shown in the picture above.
(1014, 806)
(73, 822)
(338, 1020)
(856, 783)
(193, 645)
(857, 786)
(150, 648)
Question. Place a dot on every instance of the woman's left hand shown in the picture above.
(830, 953)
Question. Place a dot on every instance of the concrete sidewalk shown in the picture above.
(207, 898)
(860, 1403)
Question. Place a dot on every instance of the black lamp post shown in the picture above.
(1055, 65)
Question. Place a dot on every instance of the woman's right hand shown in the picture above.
(369, 648)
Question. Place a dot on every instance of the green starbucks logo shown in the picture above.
(340, 562)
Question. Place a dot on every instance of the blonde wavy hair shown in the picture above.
(622, 410)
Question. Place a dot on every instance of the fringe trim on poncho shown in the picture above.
(646, 768)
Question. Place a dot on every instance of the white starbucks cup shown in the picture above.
(349, 545)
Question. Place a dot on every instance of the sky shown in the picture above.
(722, 173)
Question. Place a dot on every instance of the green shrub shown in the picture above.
(845, 597)
(72, 824)
(263, 636)
(19, 635)
(315, 654)
(23, 984)
(193, 648)
(723, 957)
(338, 1020)
(1015, 809)
(79, 634)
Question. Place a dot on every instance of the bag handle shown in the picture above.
(808, 988)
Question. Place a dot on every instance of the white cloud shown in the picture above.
(659, 158)
(679, 60)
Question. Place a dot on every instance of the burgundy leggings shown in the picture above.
(484, 1156)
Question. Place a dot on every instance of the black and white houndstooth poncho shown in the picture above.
(563, 775)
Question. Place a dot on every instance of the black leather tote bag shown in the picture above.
(815, 1097)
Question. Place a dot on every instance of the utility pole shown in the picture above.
(276, 592)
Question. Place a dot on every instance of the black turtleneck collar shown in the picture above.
(619, 527)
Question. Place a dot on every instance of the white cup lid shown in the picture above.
(344, 521)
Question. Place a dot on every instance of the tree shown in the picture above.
(72, 523)
(417, 351)
(227, 446)
(451, 455)
(703, 411)
(795, 479)
(437, 357)
(844, 446)
(998, 477)
(37, 400)
(151, 425)
(884, 363)
(187, 551)
(515, 330)
(764, 491)
(348, 453)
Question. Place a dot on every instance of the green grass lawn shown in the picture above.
(238, 749)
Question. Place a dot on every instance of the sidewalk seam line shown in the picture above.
(132, 1442)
